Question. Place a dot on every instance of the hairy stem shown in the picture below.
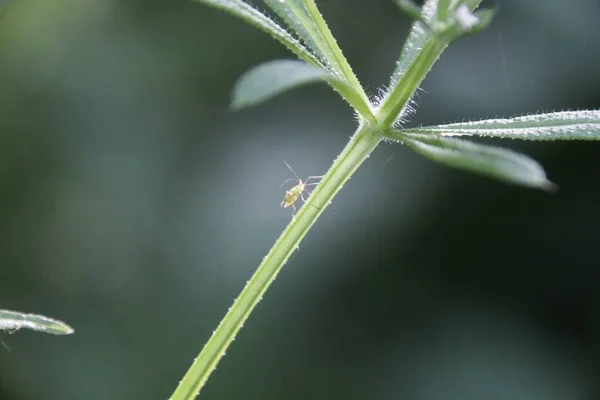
(356, 151)
(395, 102)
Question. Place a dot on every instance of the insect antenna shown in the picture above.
(290, 168)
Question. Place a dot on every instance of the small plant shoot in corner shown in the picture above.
(437, 24)
(12, 321)
(291, 196)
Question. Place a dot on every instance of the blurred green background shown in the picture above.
(135, 206)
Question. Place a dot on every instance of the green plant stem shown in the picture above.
(364, 141)
(394, 104)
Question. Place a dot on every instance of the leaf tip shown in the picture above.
(549, 186)
(236, 105)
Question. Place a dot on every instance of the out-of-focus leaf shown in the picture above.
(485, 18)
(305, 19)
(411, 9)
(498, 163)
(254, 17)
(15, 320)
(267, 80)
(442, 9)
(566, 125)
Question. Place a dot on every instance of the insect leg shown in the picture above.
(302, 196)
(304, 200)
(314, 177)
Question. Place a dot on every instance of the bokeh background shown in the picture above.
(135, 206)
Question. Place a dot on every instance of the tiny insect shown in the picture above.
(12, 321)
(291, 196)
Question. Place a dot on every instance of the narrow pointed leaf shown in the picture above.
(411, 9)
(305, 19)
(14, 320)
(334, 59)
(295, 15)
(421, 50)
(420, 35)
(566, 125)
(334, 52)
(494, 162)
(267, 80)
(417, 39)
(254, 17)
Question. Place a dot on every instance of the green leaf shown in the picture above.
(494, 162)
(566, 125)
(267, 80)
(472, 4)
(421, 50)
(305, 19)
(442, 9)
(419, 35)
(14, 320)
(411, 9)
(335, 55)
(254, 17)
(322, 53)
(294, 14)
(417, 39)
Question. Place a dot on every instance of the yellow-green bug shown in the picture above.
(291, 195)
